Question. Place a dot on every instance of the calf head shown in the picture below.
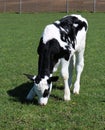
(42, 88)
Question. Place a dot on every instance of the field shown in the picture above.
(19, 37)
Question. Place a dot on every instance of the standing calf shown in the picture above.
(60, 41)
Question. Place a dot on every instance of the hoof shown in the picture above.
(76, 92)
(67, 98)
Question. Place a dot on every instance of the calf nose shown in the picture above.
(43, 101)
(42, 104)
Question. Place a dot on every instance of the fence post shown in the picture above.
(20, 6)
(67, 6)
(94, 6)
(5, 6)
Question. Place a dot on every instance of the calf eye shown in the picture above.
(46, 93)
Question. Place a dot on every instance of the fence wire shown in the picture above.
(22, 6)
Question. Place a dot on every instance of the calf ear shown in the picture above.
(52, 79)
(31, 77)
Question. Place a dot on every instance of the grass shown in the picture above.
(19, 36)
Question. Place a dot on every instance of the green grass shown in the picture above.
(19, 36)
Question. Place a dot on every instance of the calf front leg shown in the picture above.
(31, 94)
(65, 75)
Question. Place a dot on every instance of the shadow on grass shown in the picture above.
(58, 88)
(20, 92)
(56, 98)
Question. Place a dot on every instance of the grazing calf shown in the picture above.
(60, 41)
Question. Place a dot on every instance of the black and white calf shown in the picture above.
(60, 41)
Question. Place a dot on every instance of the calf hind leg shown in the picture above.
(79, 69)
